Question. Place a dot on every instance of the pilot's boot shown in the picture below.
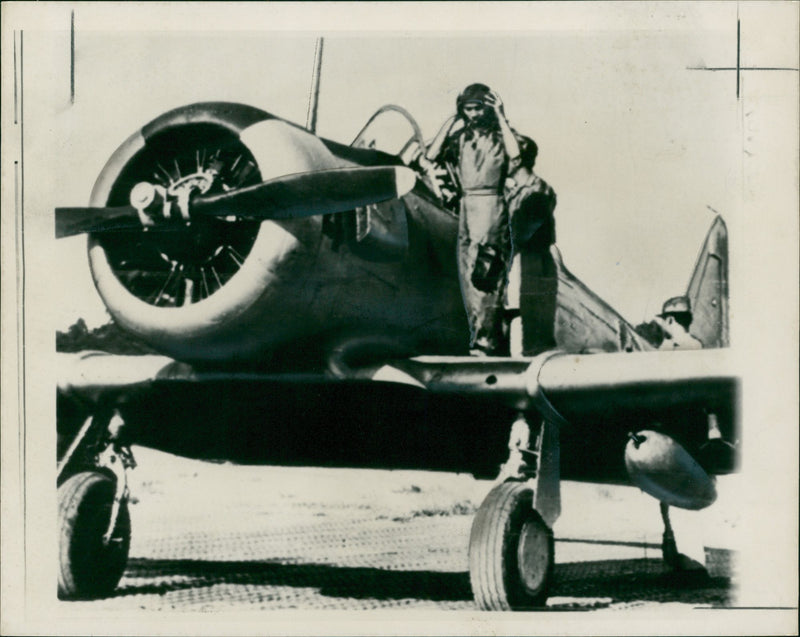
(481, 347)
(484, 346)
(488, 346)
(491, 337)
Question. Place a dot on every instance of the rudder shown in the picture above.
(708, 289)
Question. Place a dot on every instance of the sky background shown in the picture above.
(638, 147)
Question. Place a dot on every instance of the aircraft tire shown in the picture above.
(511, 551)
(87, 568)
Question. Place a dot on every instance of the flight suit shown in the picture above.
(483, 233)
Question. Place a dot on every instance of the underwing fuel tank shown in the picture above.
(662, 468)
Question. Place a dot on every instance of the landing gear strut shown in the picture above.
(511, 546)
(669, 549)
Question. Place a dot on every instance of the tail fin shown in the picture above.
(708, 289)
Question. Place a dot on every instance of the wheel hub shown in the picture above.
(533, 554)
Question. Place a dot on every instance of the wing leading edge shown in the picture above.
(565, 388)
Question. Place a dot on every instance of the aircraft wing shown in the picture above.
(588, 390)
(568, 389)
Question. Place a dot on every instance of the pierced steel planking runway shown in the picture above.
(220, 537)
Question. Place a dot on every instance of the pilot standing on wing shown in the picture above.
(482, 149)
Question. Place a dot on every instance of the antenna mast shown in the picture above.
(313, 97)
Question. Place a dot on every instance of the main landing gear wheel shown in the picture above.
(511, 551)
(89, 567)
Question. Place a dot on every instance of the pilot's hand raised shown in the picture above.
(494, 101)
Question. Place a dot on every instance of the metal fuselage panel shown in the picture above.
(327, 295)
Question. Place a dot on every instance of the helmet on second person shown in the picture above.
(676, 305)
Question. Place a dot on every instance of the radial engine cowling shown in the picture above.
(219, 288)
(662, 468)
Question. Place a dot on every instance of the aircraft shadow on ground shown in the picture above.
(589, 584)
(635, 580)
(330, 580)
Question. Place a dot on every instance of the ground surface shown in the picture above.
(210, 537)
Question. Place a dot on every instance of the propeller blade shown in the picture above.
(287, 197)
(72, 221)
(309, 194)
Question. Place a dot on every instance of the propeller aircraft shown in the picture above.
(276, 274)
